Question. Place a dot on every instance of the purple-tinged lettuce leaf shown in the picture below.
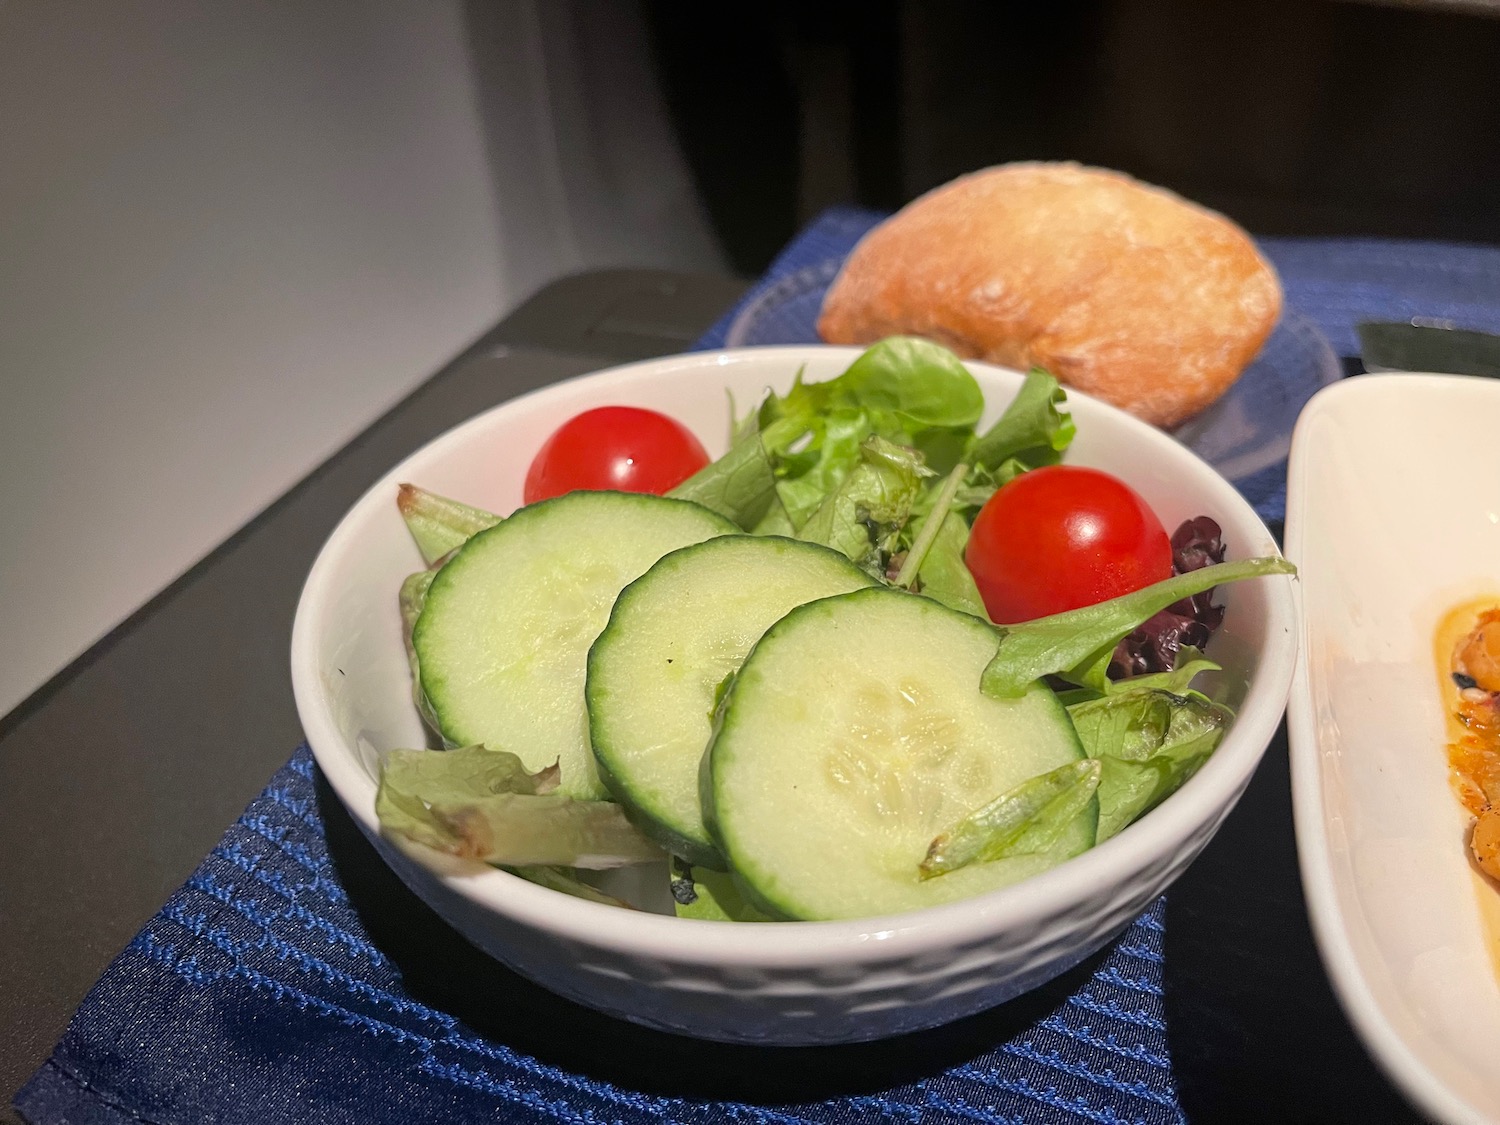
(1189, 623)
(1077, 645)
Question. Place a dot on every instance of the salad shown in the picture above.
(870, 660)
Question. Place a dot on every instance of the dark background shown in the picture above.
(1291, 116)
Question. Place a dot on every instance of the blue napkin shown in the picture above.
(292, 978)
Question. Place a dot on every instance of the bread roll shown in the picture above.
(1123, 290)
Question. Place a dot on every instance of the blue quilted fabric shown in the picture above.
(279, 985)
(257, 995)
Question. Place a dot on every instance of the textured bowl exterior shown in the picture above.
(806, 1004)
(787, 983)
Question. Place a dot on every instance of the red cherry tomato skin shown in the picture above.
(624, 448)
(1063, 537)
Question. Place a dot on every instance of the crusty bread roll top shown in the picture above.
(1123, 290)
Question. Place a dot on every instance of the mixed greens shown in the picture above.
(861, 462)
(885, 466)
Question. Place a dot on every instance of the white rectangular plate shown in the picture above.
(1393, 518)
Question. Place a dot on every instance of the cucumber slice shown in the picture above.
(674, 635)
(855, 733)
(505, 631)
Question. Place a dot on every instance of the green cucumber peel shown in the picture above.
(412, 598)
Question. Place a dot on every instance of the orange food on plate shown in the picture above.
(1474, 750)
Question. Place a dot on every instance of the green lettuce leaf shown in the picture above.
(739, 486)
(439, 525)
(943, 574)
(412, 598)
(814, 453)
(1031, 433)
(710, 895)
(1148, 742)
(775, 521)
(483, 804)
(1190, 665)
(566, 881)
(863, 516)
(920, 382)
(911, 392)
(741, 428)
(977, 488)
(1025, 820)
(1077, 645)
(923, 383)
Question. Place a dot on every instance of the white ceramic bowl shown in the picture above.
(805, 982)
(1393, 516)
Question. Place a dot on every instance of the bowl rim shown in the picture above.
(1207, 796)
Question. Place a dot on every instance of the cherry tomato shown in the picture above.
(1063, 537)
(624, 448)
